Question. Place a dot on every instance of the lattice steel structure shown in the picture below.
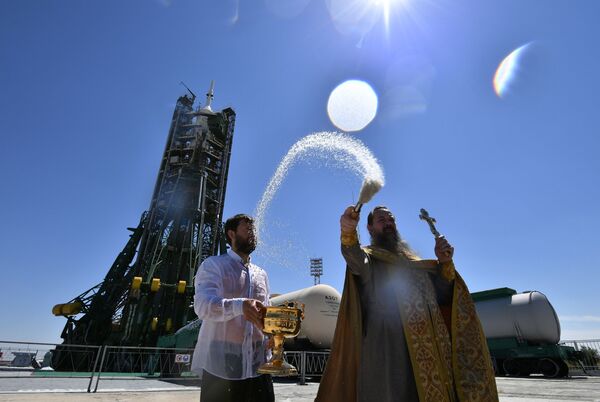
(316, 269)
(140, 301)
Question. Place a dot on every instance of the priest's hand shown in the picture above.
(254, 312)
(349, 220)
(443, 250)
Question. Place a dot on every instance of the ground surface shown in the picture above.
(125, 390)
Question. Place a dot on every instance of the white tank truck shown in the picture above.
(522, 329)
(523, 333)
(321, 306)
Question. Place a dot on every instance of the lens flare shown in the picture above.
(506, 72)
(352, 105)
(361, 16)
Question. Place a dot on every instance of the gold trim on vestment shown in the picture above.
(466, 375)
(349, 238)
(446, 366)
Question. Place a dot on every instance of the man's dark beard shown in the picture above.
(245, 246)
(388, 239)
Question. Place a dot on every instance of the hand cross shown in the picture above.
(424, 215)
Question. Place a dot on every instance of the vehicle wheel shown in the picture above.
(517, 367)
(499, 368)
(525, 370)
(564, 368)
(549, 368)
(511, 367)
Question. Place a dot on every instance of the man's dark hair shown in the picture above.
(370, 217)
(233, 223)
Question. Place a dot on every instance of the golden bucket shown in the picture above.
(281, 321)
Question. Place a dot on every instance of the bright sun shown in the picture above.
(386, 6)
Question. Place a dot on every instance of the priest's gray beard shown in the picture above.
(390, 240)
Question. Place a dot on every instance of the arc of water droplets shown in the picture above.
(348, 152)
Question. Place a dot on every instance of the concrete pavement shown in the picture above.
(510, 390)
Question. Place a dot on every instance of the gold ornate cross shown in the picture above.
(424, 215)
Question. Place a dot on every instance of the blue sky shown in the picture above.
(87, 94)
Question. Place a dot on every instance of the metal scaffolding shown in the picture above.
(140, 301)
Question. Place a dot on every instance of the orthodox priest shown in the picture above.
(407, 329)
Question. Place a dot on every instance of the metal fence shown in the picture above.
(27, 366)
(140, 363)
(171, 364)
(588, 354)
(30, 366)
(86, 366)
(22, 358)
(309, 364)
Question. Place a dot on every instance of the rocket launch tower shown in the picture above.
(148, 291)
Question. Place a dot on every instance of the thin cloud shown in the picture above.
(580, 335)
(580, 318)
(236, 16)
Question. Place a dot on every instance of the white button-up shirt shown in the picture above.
(228, 346)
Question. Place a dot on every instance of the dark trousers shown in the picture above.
(217, 389)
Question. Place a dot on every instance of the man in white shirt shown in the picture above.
(230, 297)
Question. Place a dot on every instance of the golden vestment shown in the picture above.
(449, 358)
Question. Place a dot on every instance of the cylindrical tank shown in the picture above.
(528, 316)
(321, 305)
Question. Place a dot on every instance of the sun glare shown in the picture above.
(352, 105)
(385, 6)
(360, 16)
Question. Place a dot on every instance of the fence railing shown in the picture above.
(21, 362)
(86, 365)
(588, 354)
(91, 364)
(166, 364)
(308, 364)
(21, 358)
